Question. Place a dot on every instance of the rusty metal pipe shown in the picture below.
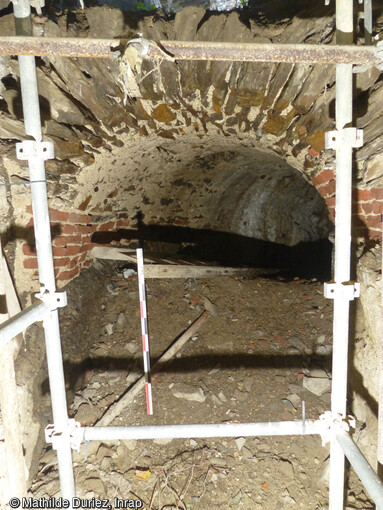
(192, 50)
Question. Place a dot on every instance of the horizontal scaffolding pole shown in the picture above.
(192, 50)
(19, 322)
(362, 468)
(282, 428)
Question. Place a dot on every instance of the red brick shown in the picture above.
(73, 263)
(327, 190)
(68, 229)
(82, 257)
(30, 263)
(78, 229)
(65, 240)
(59, 251)
(60, 216)
(122, 223)
(29, 249)
(373, 221)
(330, 201)
(28, 209)
(68, 275)
(361, 195)
(313, 152)
(88, 247)
(86, 239)
(325, 176)
(61, 261)
(86, 263)
(372, 207)
(110, 225)
(374, 233)
(377, 193)
(30, 223)
(79, 218)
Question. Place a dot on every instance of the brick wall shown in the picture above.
(367, 205)
(71, 241)
(72, 231)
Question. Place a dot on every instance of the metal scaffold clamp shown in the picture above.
(73, 433)
(331, 422)
(30, 149)
(53, 300)
(348, 136)
(348, 290)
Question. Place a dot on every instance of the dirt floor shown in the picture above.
(267, 350)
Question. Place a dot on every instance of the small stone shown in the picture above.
(193, 443)
(222, 396)
(319, 372)
(131, 444)
(132, 347)
(289, 500)
(297, 343)
(321, 339)
(236, 500)
(109, 329)
(95, 485)
(87, 414)
(246, 453)
(121, 320)
(96, 385)
(188, 392)
(294, 399)
(288, 405)
(241, 396)
(218, 462)
(103, 452)
(240, 442)
(214, 370)
(248, 383)
(230, 461)
(194, 338)
(318, 386)
(216, 400)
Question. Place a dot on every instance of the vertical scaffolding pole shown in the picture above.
(31, 111)
(344, 35)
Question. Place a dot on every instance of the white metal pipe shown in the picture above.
(282, 428)
(363, 469)
(368, 22)
(19, 322)
(31, 109)
(343, 109)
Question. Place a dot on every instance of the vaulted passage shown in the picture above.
(229, 204)
(223, 162)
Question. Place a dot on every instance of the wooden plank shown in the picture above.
(173, 268)
(113, 253)
(181, 271)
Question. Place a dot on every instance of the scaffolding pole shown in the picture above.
(362, 468)
(281, 428)
(343, 147)
(191, 50)
(35, 152)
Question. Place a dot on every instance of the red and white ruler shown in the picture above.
(144, 329)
